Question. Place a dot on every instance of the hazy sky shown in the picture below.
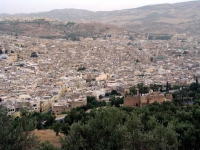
(28, 6)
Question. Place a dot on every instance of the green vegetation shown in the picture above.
(116, 101)
(170, 125)
(49, 37)
(150, 38)
(142, 89)
(176, 87)
(71, 36)
(132, 130)
(129, 43)
(94, 38)
(16, 133)
(163, 37)
(44, 120)
(151, 59)
(93, 103)
(34, 54)
(70, 24)
(47, 146)
(100, 96)
(133, 90)
(137, 61)
(18, 56)
(157, 126)
(56, 127)
(81, 69)
(159, 37)
(131, 38)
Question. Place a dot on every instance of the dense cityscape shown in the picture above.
(74, 78)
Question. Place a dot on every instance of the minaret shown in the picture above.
(157, 52)
(197, 53)
(148, 36)
(120, 60)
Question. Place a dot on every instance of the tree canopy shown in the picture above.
(16, 134)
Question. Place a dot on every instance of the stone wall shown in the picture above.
(169, 96)
(139, 101)
(59, 109)
(155, 97)
(132, 101)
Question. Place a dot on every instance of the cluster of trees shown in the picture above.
(44, 120)
(157, 126)
(81, 69)
(187, 94)
(131, 38)
(93, 103)
(113, 93)
(129, 43)
(72, 36)
(15, 135)
(70, 24)
(170, 125)
(1, 52)
(94, 38)
(117, 102)
(159, 37)
(33, 54)
(50, 37)
(163, 37)
(144, 89)
(76, 115)
(141, 87)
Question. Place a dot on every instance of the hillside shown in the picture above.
(56, 29)
(162, 18)
(48, 135)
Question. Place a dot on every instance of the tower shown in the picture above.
(157, 52)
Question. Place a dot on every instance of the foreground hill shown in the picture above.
(48, 135)
(162, 18)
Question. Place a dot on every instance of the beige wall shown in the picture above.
(132, 101)
(139, 101)
(59, 109)
(78, 104)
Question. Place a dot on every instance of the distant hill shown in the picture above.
(56, 29)
(162, 18)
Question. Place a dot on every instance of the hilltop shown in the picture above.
(162, 18)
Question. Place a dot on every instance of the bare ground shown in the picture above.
(48, 135)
